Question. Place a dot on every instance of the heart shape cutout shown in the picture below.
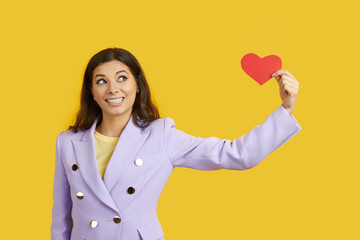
(260, 69)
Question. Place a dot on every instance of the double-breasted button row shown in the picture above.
(94, 223)
(79, 195)
(130, 190)
(138, 162)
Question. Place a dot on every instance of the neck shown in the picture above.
(113, 126)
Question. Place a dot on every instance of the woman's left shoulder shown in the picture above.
(161, 123)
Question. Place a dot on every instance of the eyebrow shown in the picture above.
(102, 75)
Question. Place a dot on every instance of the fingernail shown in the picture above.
(273, 75)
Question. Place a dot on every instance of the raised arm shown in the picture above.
(244, 152)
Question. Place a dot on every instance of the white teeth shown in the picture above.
(115, 100)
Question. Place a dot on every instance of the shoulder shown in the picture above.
(161, 124)
(67, 135)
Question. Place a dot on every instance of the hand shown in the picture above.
(289, 88)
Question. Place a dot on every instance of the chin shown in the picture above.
(118, 113)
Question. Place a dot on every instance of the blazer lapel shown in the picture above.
(85, 153)
(127, 146)
(129, 143)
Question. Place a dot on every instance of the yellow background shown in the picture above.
(191, 52)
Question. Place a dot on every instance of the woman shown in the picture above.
(113, 164)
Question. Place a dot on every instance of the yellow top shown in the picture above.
(104, 148)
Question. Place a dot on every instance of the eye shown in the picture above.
(123, 78)
(98, 81)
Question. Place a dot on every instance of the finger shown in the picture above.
(290, 90)
(275, 75)
(288, 84)
(288, 73)
(287, 80)
(277, 78)
(282, 72)
(278, 74)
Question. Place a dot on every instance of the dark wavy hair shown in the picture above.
(144, 110)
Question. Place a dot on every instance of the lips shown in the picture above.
(115, 100)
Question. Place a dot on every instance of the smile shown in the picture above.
(115, 100)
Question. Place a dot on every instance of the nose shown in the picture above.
(113, 88)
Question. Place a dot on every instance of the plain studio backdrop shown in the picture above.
(191, 53)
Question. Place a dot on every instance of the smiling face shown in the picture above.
(114, 89)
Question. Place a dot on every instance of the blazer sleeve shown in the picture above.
(244, 152)
(61, 211)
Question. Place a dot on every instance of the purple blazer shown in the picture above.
(123, 206)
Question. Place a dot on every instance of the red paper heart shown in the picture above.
(260, 69)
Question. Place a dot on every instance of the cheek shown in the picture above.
(130, 89)
(97, 92)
